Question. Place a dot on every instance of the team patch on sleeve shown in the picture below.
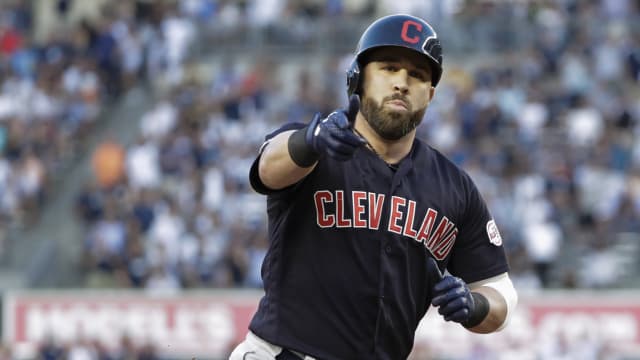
(493, 233)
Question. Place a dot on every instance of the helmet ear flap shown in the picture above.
(353, 78)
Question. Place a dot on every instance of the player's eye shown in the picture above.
(390, 67)
(420, 75)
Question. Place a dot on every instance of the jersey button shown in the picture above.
(388, 249)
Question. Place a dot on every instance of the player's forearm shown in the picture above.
(276, 168)
(497, 311)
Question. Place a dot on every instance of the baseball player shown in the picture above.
(364, 218)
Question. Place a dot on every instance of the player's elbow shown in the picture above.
(267, 173)
(275, 175)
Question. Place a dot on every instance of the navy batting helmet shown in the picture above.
(397, 30)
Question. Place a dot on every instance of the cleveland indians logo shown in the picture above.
(405, 31)
(412, 33)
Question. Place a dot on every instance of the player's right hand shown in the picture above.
(334, 134)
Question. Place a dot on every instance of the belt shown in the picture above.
(287, 354)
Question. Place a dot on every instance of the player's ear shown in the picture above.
(432, 92)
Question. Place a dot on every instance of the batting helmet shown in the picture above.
(397, 30)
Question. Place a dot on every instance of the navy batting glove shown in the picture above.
(334, 134)
(454, 300)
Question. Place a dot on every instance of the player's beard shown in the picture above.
(391, 124)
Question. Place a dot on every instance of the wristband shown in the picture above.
(300, 152)
(480, 310)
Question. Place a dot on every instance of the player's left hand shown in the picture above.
(451, 295)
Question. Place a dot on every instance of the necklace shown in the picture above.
(391, 166)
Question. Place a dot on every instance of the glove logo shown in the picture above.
(493, 233)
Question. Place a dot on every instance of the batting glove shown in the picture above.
(454, 300)
(334, 134)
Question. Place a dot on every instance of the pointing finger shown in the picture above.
(354, 107)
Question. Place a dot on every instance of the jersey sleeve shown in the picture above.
(254, 176)
(478, 253)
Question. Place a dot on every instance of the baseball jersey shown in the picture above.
(345, 276)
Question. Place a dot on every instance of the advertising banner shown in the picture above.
(209, 324)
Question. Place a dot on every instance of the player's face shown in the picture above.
(396, 91)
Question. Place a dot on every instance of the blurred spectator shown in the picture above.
(543, 241)
(10, 38)
(143, 170)
(108, 163)
(178, 33)
(82, 349)
(50, 350)
(105, 248)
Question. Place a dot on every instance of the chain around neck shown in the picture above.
(370, 147)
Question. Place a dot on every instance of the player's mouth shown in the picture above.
(398, 104)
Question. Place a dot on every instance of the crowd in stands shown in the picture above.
(52, 90)
(548, 132)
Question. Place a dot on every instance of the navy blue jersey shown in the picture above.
(345, 276)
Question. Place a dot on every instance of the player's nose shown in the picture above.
(401, 81)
